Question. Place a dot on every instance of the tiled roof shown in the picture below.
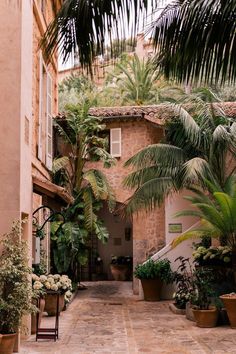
(156, 114)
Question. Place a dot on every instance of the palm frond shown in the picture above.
(153, 154)
(195, 171)
(100, 186)
(205, 229)
(84, 26)
(197, 40)
(150, 195)
(59, 163)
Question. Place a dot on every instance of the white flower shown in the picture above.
(47, 285)
(51, 280)
(35, 277)
(56, 276)
(37, 285)
(43, 278)
(54, 287)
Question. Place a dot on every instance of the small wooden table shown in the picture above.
(49, 333)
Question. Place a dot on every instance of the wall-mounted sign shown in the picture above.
(175, 228)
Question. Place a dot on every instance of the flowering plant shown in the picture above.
(52, 282)
(221, 255)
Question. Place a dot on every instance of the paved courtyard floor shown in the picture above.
(107, 318)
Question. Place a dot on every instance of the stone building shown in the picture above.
(130, 129)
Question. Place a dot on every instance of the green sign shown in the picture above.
(175, 228)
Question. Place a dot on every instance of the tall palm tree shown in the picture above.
(137, 80)
(196, 147)
(196, 38)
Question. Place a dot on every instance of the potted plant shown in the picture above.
(121, 267)
(152, 275)
(15, 288)
(51, 284)
(202, 295)
(182, 277)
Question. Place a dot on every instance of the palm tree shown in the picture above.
(136, 80)
(196, 38)
(217, 213)
(196, 147)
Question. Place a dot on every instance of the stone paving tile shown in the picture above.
(107, 319)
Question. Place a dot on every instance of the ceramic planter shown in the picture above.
(229, 301)
(51, 304)
(7, 343)
(206, 318)
(120, 271)
(152, 289)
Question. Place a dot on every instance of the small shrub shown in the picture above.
(150, 270)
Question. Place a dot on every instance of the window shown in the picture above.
(115, 142)
(49, 123)
(45, 130)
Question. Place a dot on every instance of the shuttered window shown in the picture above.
(49, 123)
(115, 142)
(41, 102)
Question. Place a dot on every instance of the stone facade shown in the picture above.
(137, 132)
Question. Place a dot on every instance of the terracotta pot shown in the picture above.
(7, 343)
(152, 289)
(34, 316)
(206, 318)
(51, 304)
(119, 271)
(230, 305)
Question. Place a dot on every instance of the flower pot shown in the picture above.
(7, 343)
(119, 271)
(34, 316)
(230, 305)
(51, 304)
(152, 289)
(206, 318)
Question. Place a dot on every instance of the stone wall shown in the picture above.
(148, 228)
